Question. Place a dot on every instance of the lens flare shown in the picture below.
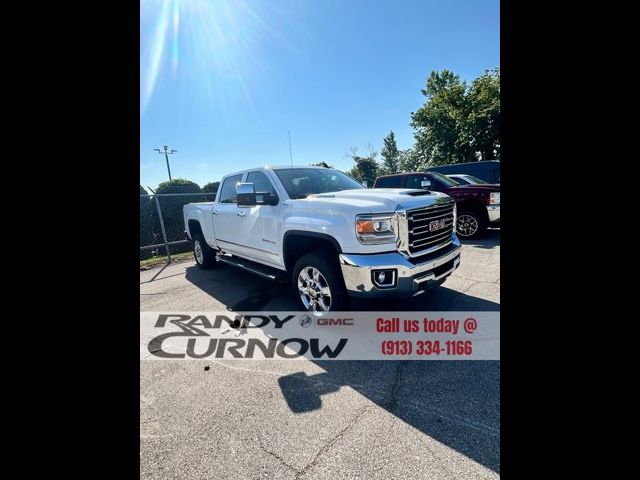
(176, 44)
(152, 57)
(211, 45)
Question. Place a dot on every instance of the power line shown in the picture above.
(166, 156)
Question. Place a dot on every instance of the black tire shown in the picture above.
(327, 264)
(475, 227)
(208, 258)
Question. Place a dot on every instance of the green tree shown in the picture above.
(321, 164)
(410, 160)
(440, 123)
(211, 189)
(353, 173)
(390, 155)
(365, 168)
(484, 117)
(458, 123)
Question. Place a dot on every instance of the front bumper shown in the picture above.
(494, 213)
(410, 278)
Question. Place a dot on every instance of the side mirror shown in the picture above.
(245, 195)
(425, 184)
(266, 198)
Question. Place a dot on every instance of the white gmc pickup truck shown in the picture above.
(328, 234)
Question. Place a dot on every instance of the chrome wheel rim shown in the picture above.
(197, 250)
(314, 290)
(466, 225)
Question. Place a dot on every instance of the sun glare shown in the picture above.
(213, 44)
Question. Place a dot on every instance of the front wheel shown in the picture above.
(470, 224)
(318, 284)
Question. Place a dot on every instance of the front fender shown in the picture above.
(327, 220)
(330, 225)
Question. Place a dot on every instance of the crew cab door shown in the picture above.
(225, 216)
(257, 226)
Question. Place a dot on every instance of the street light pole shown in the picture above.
(166, 156)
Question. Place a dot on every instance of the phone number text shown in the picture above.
(427, 347)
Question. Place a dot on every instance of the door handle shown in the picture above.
(241, 214)
(215, 212)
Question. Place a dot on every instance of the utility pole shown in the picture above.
(166, 156)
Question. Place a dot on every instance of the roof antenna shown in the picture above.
(291, 157)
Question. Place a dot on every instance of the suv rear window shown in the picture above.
(388, 182)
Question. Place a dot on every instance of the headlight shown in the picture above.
(494, 198)
(375, 229)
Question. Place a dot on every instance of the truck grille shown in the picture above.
(430, 227)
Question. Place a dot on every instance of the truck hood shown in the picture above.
(380, 200)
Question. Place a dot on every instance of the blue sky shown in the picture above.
(222, 81)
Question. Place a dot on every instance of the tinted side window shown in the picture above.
(228, 189)
(388, 182)
(261, 184)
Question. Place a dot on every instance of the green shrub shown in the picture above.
(171, 207)
(211, 188)
(146, 223)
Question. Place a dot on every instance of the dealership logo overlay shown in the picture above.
(320, 336)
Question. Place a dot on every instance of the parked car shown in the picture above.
(478, 205)
(487, 170)
(464, 179)
(328, 234)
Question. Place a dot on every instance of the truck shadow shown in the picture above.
(240, 290)
(244, 291)
(489, 240)
(456, 403)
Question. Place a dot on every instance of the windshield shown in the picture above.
(475, 180)
(302, 182)
(448, 182)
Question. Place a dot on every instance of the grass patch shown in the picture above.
(159, 260)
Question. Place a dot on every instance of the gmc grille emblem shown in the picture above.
(436, 225)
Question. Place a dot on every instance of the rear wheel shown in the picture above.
(318, 284)
(470, 224)
(204, 255)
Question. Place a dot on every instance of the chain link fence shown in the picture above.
(162, 229)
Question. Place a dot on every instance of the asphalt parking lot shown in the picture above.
(304, 419)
